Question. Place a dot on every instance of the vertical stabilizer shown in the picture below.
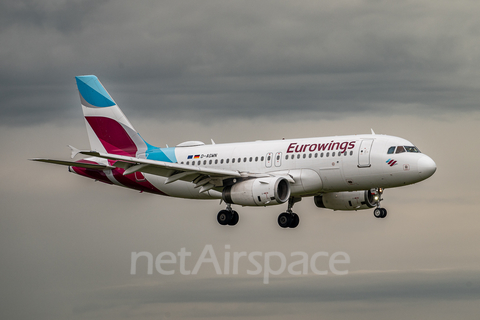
(108, 129)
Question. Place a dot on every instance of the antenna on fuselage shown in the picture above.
(372, 131)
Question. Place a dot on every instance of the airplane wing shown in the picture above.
(204, 177)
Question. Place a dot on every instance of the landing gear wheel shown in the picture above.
(295, 220)
(224, 217)
(284, 220)
(234, 220)
(289, 219)
(380, 212)
(384, 212)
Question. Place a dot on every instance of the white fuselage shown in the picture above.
(316, 165)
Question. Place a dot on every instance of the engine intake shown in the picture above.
(258, 192)
(355, 200)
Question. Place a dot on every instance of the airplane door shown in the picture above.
(364, 153)
(278, 159)
(268, 160)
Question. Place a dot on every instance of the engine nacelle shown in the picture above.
(258, 192)
(355, 200)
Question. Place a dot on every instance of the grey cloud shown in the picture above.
(380, 287)
(61, 16)
(444, 285)
(214, 60)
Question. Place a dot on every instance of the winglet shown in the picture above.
(75, 151)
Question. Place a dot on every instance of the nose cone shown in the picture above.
(426, 167)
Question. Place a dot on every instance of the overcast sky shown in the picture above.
(238, 71)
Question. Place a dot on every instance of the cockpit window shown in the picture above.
(412, 149)
(400, 149)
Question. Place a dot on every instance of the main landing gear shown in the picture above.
(380, 212)
(228, 216)
(289, 219)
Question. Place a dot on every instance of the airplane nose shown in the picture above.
(426, 166)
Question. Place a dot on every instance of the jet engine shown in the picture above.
(258, 192)
(354, 200)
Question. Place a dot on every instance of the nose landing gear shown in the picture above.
(379, 212)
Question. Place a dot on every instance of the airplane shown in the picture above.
(339, 172)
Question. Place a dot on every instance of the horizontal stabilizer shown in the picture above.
(75, 164)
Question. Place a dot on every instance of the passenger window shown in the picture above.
(256, 159)
(304, 155)
(250, 159)
(221, 161)
(309, 155)
(227, 160)
(391, 150)
(239, 159)
(351, 153)
(216, 161)
(210, 162)
(188, 162)
(244, 159)
(328, 153)
(261, 159)
(193, 163)
(233, 160)
(286, 157)
(316, 155)
(298, 156)
(204, 162)
(400, 149)
(321, 155)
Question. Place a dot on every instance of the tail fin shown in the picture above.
(108, 129)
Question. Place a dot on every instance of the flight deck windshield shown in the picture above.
(401, 149)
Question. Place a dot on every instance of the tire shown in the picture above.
(295, 221)
(284, 220)
(378, 212)
(234, 220)
(384, 213)
(224, 217)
